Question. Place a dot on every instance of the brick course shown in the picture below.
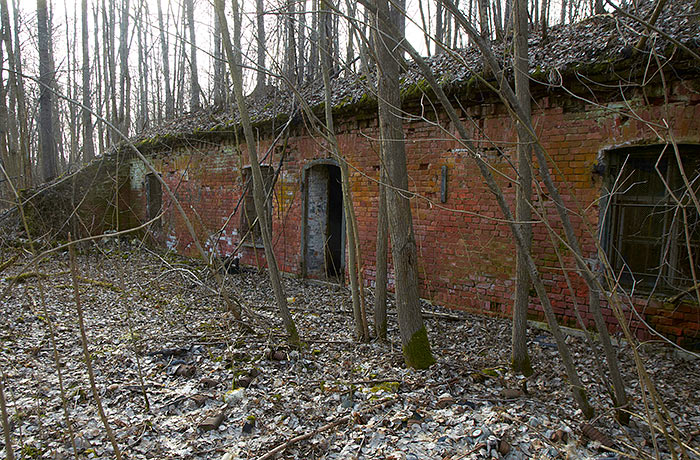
(466, 253)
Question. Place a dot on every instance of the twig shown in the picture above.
(86, 352)
(282, 447)
(679, 296)
(9, 452)
(8, 263)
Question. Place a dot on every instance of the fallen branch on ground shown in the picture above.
(282, 447)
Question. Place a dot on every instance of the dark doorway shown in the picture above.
(324, 230)
(334, 250)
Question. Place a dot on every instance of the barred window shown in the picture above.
(653, 225)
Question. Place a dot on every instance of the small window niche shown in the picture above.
(154, 199)
(249, 228)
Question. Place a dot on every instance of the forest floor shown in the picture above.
(218, 388)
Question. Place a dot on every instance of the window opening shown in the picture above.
(154, 199)
(653, 234)
(250, 225)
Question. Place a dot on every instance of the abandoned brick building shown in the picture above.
(604, 112)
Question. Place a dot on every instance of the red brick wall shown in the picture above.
(466, 253)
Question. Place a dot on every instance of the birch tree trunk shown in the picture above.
(258, 185)
(414, 336)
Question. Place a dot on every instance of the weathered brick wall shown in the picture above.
(466, 254)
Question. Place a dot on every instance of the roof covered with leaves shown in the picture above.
(596, 45)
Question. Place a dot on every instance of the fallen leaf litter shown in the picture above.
(217, 390)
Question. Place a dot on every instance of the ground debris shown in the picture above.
(216, 389)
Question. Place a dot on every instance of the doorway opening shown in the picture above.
(323, 229)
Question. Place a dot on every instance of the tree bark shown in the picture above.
(169, 104)
(7, 431)
(510, 98)
(414, 337)
(361, 330)
(124, 77)
(575, 382)
(258, 185)
(16, 85)
(290, 43)
(260, 20)
(381, 278)
(142, 118)
(88, 141)
(219, 68)
(194, 79)
(484, 18)
(520, 361)
(47, 141)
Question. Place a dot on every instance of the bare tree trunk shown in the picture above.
(575, 382)
(6, 159)
(313, 53)
(350, 49)
(109, 26)
(381, 278)
(290, 57)
(439, 30)
(260, 17)
(88, 142)
(99, 110)
(498, 19)
(585, 272)
(520, 361)
(484, 18)
(142, 118)
(7, 431)
(414, 336)
(425, 25)
(124, 77)
(535, 18)
(47, 141)
(301, 57)
(562, 12)
(194, 80)
(19, 142)
(258, 185)
(219, 67)
(169, 104)
(508, 16)
(544, 16)
(71, 93)
(361, 330)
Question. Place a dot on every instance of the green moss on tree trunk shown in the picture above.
(417, 352)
